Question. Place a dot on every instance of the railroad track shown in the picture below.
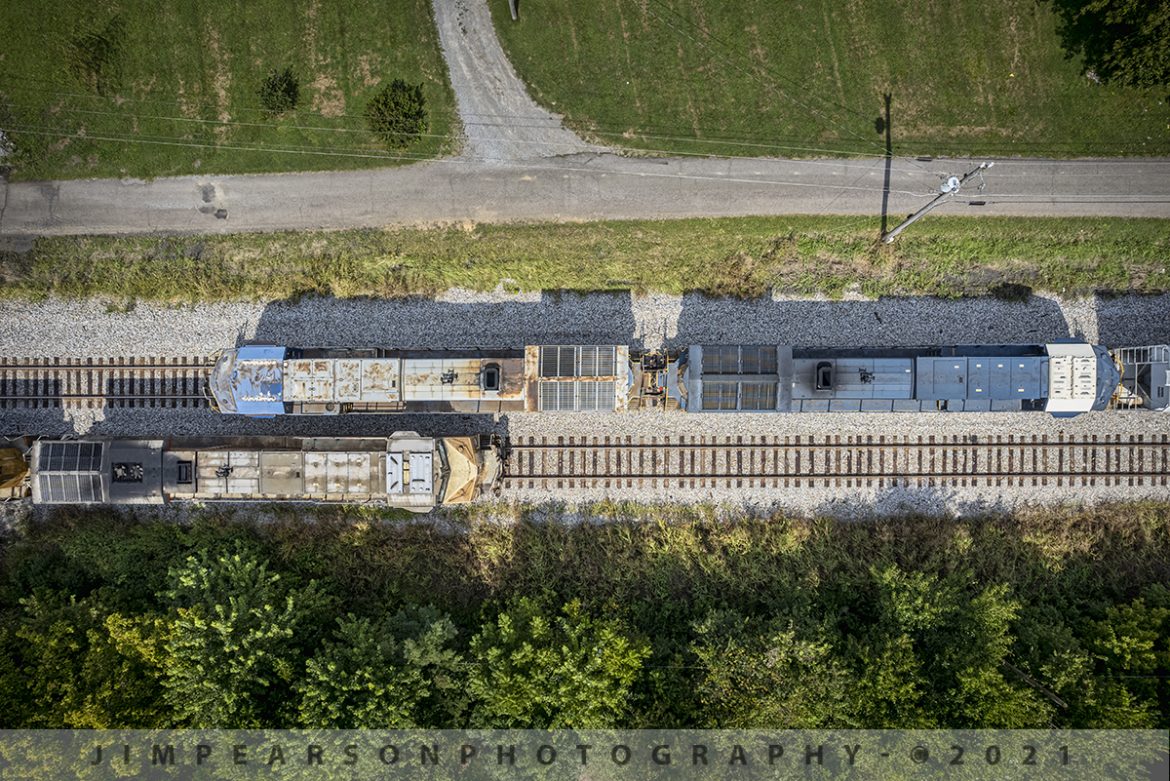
(96, 382)
(835, 461)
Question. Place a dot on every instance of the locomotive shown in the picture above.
(1061, 378)
(405, 470)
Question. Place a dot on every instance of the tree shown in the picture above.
(397, 113)
(570, 670)
(1123, 41)
(396, 673)
(78, 673)
(953, 644)
(234, 639)
(768, 678)
(1131, 647)
(279, 92)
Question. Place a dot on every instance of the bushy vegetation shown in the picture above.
(745, 257)
(398, 113)
(662, 616)
(279, 92)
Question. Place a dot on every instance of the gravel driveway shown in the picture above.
(500, 121)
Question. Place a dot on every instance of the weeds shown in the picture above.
(741, 257)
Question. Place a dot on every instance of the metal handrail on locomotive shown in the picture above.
(1061, 378)
(404, 470)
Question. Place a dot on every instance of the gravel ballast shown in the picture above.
(58, 328)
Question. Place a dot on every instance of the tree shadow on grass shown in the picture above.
(1118, 42)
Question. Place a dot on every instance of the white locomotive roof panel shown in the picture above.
(296, 474)
(341, 380)
(441, 379)
(410, 473)
(1072, 377)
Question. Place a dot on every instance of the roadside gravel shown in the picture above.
(463, 318)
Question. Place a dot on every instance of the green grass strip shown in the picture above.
(746, 257)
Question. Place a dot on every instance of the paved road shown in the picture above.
(580, 187)
(536, 170)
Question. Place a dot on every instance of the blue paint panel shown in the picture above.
(258, 380)
(957, 378)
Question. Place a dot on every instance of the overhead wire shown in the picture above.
(527, 165)
(712, 140)
(720, 140)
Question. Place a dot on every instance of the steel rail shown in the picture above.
(120, 381)
(796, 461)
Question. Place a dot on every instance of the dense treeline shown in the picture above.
(339, 618)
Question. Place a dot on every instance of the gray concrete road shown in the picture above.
(579, 187)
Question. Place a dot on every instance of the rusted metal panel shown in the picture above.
(379, 379)
(347, 376)
(315, 473)
(309, 380)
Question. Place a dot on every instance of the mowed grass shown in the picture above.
(177, 85)
(747, 257)
(806, 77)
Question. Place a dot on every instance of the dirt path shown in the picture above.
(500, 121)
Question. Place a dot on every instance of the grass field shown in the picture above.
(806, 77)
(142, 89)
(945, 256)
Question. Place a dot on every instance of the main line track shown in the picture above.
(31, 383)
(835, 461)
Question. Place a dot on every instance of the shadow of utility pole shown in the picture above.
(883, 125)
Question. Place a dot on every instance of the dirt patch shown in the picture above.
(328, 99)
(188, 104)
(368, 66)
(222, 80)
(311, 32)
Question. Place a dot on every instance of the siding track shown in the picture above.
(836, 461)
(97, 382)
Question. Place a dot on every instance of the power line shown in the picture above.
(642, 132)
(747, 72)
(526, 165)
(712, 140)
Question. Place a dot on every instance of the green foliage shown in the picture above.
(279, 92)
(755, 676)
(398, 113)
(1122, 41)
(396, 673)
(1056, 617)
(538, 669)
(232, 644)
(78, 672)
(172, 87)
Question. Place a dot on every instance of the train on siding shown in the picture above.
(404, 470)
(1061, 378)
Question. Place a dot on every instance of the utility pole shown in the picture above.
(948, 190)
